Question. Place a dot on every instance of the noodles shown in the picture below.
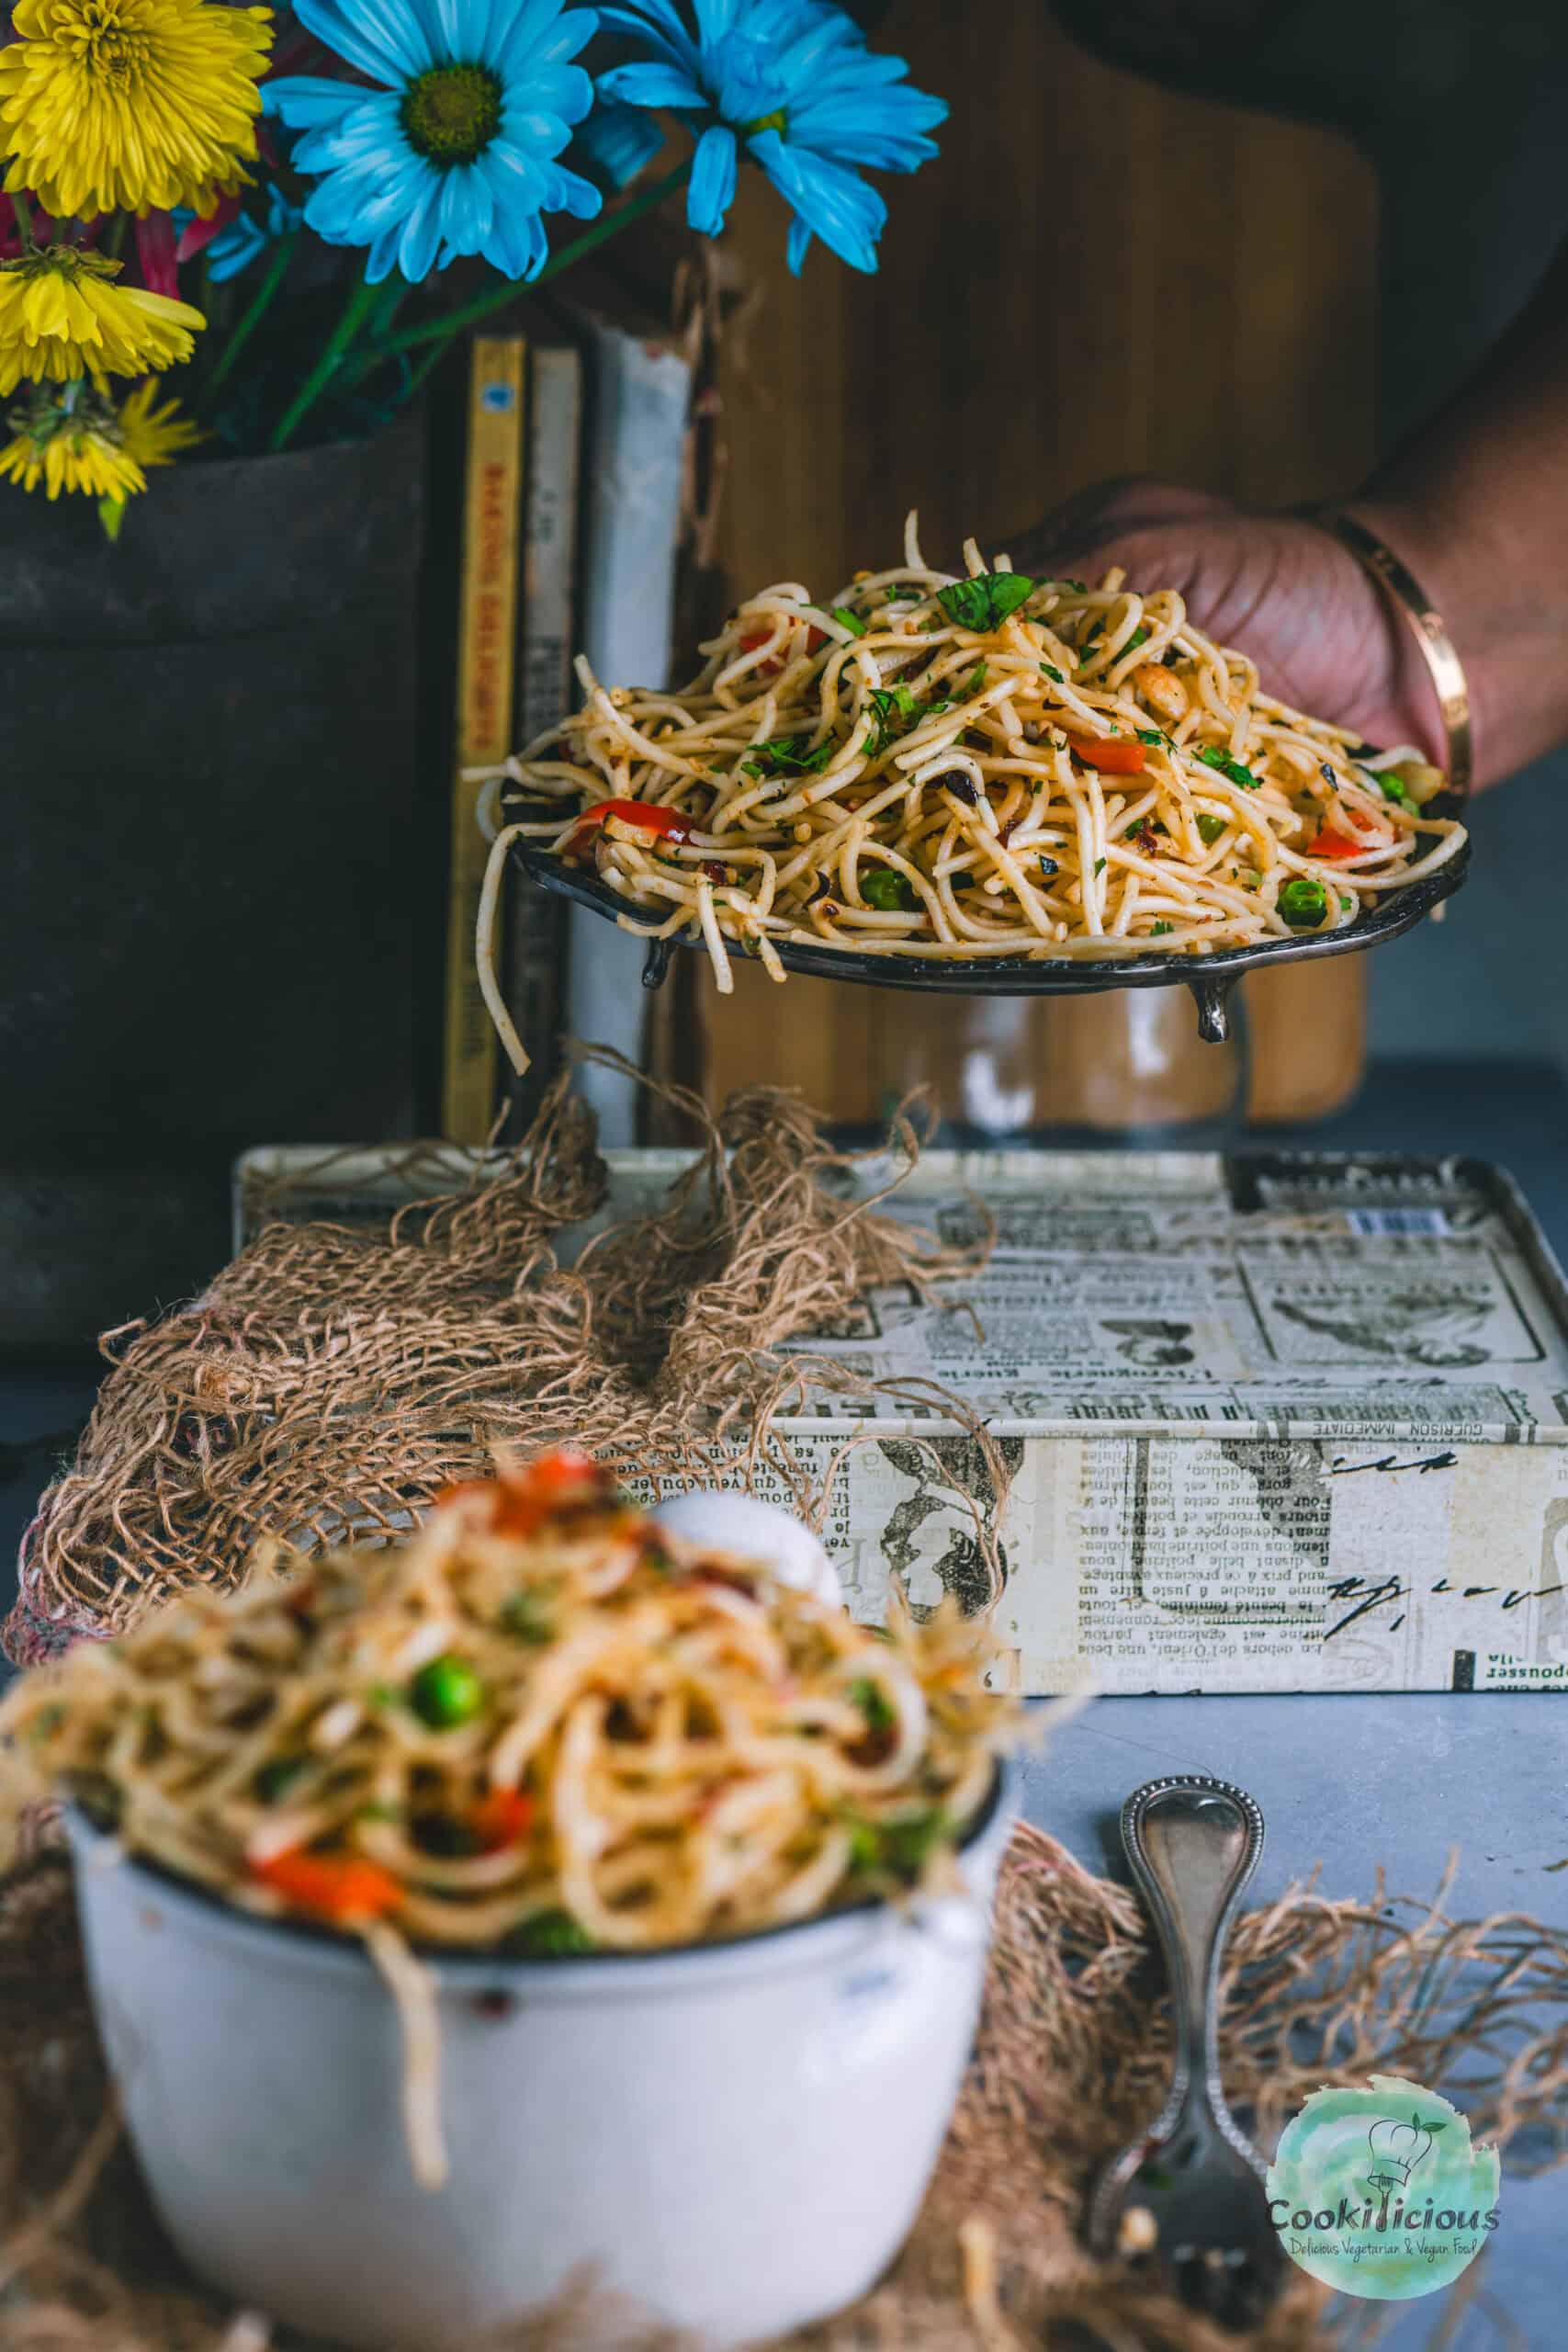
(969, 769)
(543, 1724)
(414, 1994)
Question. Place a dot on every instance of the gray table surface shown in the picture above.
(1346, 1782)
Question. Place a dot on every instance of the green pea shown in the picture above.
(1303, 900)
(553, 1934)
(446, 1693)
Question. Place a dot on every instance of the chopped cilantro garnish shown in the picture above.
(975, 681)
(1150, 735)
(278, 1775)
(552, 1934)
(908, 1845)
(899, 1849)
(1394, 787)
(902, 593)
(889, 892)
(1214, 755)
(789, 755)
(1159, 930)
(1303, 900)
(526, 1618)
(1346, 903)
(872, 1700)
(984, 602)
(1210, 827)
(1049, 670)
(865, 1846)
(852, 621)
(895, 711)
(1140, 636)
(1099, 865)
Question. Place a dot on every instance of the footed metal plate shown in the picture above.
(1209, 978)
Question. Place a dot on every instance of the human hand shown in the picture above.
(1277, 588)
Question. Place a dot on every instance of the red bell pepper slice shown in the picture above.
(1330, 843)
(647, 816)
(815, 642)
(503, 1818)
(1113, 755)
(341, 1887)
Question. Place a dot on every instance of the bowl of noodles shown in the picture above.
(550, 1896)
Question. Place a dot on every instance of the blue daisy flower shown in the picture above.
(795, 81)
(454, 151)
(237, 244)
(618, 142)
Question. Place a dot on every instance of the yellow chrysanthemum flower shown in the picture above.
(77, 449)
(132, 103)
(61, 318)
(154, 437)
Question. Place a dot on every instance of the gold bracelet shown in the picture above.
(1425, 625)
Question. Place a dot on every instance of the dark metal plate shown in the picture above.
(1209, 978)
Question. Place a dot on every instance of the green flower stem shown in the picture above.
(22, 211)
(358, 309)
(608, 225)
(427, 366)
(247, 323)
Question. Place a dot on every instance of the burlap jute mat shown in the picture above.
(333, 1378)
(1071, 2059)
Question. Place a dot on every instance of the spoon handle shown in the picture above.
(1193, 1844)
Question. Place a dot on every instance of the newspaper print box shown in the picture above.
(1274, 1423)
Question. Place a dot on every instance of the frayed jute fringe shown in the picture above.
(1071, 2059)
(330, 1380)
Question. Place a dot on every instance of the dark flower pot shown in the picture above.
(209, 737)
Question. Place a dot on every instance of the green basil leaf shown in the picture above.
(852, 621)
(789, 755)
(1214, 756)
(984, 602)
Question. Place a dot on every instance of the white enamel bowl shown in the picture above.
(736, 2135)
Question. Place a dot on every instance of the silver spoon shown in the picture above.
(1188, 2198)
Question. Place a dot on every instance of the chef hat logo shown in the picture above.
(1397, 2148)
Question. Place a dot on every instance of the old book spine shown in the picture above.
(486, 634)
(639, 409)
(533, 966)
